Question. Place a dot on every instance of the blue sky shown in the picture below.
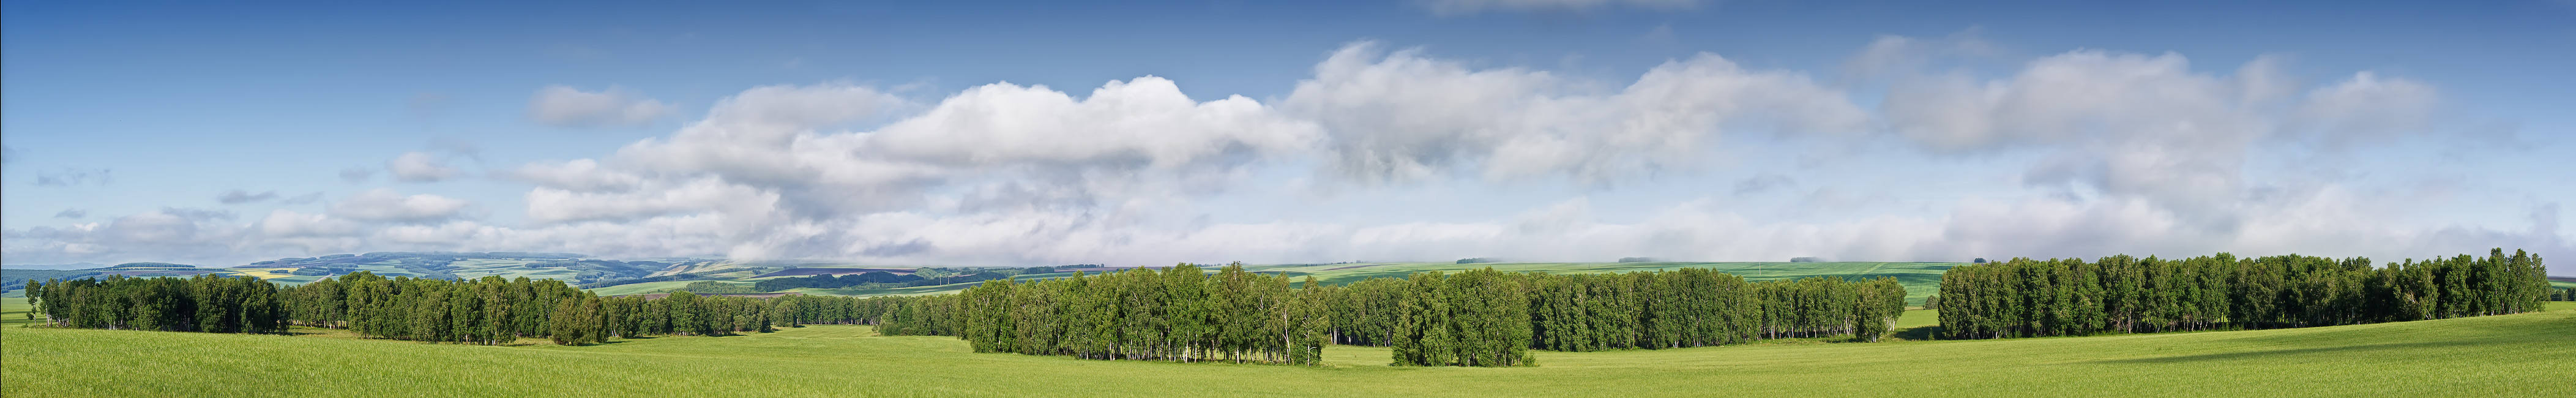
(1408, 130)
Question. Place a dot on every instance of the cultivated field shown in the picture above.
(2511, 355)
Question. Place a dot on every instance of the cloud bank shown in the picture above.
(2113, 153)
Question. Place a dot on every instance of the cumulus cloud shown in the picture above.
(1131, 172)
(150, 236)
(1401, 115)
(701, 195)
(290, 224)
(417, 167)
(2145, 126)
(582, 175)
(1146, 122)
(386, 205)
(239, 196)
(564, 106)
(1463, 7)
(71, 213)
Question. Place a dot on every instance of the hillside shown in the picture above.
(14, 280)
(571, 268)
(2511, 355)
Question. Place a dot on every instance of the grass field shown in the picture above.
(2514, 355)
(504, 268)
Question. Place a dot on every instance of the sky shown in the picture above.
(1149, 133)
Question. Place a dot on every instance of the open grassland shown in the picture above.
(900, 291)
(265, 273)
(2513, 355)
(640, 288)
(508, 268)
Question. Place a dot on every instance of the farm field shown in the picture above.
(640, 288)
(2511, 355)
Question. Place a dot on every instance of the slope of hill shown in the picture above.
(12, 281)
(2509, 355)
(571, 268)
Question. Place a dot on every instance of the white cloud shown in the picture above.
(550, 205)
(2143, 126)
(1403, 116)
(770, 134)
(1463, 7)
(2366, 107)
(290, 224)
(564, 106)
(416, 167)
(385, 205)
(583, 175)
(151, 236)
(1146, 121)
(2121, 153)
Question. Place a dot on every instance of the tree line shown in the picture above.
(2024, 298)
(1180, 314)
(490, 310)
(1472, 318)
(203, 303)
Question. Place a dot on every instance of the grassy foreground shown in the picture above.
(2514, 355)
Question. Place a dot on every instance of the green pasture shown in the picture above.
(2511, 355)
(641, 288)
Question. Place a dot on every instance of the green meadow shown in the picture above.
(2511, 355)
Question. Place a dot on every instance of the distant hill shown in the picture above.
(14, 279)
(52, 266)
(569, 267)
